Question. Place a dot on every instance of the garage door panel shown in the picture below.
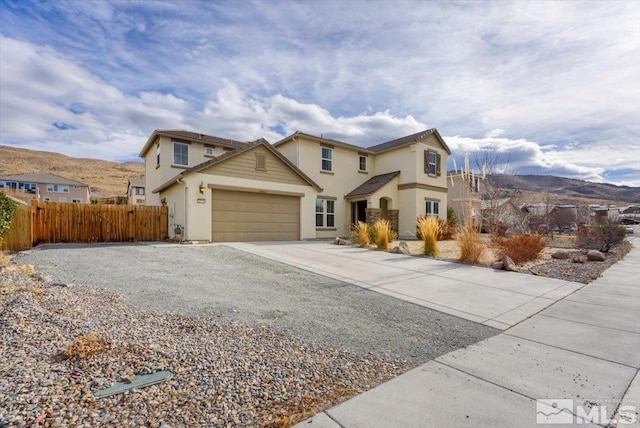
(245, 216)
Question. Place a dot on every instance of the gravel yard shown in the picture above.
(251, 341)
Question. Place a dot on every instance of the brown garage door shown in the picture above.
(246, 216)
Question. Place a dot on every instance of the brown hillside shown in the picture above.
(104, 177)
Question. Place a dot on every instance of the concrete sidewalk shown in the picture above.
(498, 299)
(581, 354)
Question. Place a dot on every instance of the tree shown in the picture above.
(7, 213)
(496, 213)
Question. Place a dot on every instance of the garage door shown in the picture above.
(244, 216)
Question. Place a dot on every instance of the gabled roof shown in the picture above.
(372, 185)
(136, 182)
(192, 137)
(42, 178)
(409, 139)
(246, 147)
(322, 140)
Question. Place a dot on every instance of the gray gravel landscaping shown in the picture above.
(237, 286)
(251, 342)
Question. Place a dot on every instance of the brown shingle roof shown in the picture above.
(321, 140)
(372, 185)
(136, 182)
(193, 137)
(398, 142)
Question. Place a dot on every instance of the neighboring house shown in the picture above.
(601, 214)
(47, 187)
(302, 187)
(465, 194)
(398, 180)
(135, 191)
(504, 216)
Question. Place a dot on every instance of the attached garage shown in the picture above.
(238, 216)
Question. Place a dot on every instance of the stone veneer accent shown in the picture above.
(372, 214)
(394, 216)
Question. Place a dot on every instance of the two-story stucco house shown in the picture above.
(135, 191)
(465, 196)
(302, 187)
(47, 187)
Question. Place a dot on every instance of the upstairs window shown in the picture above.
(158, 154)
(62, 188)
(432, 208)
(208, 151)
(325, 213)
(362, 164)
(432, 162)
(139, 190)
(473, 185)
(327, 158)
(180, 154)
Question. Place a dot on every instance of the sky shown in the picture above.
(548, 88)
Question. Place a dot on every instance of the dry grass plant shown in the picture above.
(430, 229)
(85, 347)
(383, 234)
(361, 235)
(471, 245)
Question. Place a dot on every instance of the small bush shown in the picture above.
(452, 218)
(520, 248)
(601, 237)
(7, 213)
(382, 234)
(471, 245)
(429, 229)
(361, 235)
(86, 346)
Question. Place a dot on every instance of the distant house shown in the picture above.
(601, 214)
(465, 194)
(503, 215)
(135, 191)
(47, 187)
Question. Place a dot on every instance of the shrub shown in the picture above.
(7, 213)
(471, 246)
(601, 237)
(361, 235)
(382, 234)
(452, 218)
(520, 248)
(429, 229)
(86, 346)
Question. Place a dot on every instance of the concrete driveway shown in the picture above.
(494, 298)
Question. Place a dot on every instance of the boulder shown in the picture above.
(509, 264)
(595, 256)
(560, 255)
(498, 265)
(402, 248)
(340, 241)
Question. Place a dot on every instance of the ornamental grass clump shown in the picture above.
(383, 234)
(362, 234)
(430, 229)
(471, 245)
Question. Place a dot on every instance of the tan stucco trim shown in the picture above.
(421, 186)
(249, 190)
(331, 198)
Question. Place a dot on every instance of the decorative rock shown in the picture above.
(595, 256)
(560, 255)
(402, 248)
(340, 241)
(498, 265)
(509, 265)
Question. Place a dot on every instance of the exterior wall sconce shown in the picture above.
(202, 187)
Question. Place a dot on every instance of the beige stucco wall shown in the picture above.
(81, 193)
(461, 198)
(155, 177)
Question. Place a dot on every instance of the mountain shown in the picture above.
(567, 187)
(103, 177)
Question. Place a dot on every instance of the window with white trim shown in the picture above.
(158, 154)
(47, 199)
(432, 162)
(432, 208)
(362, 163)
(77, 201)
(325, 213)
(474, 184)
(208, 151)
(139, 190)
(61, 188)
(327, 158)
(180, 154)
(62, 199)
(76, 187)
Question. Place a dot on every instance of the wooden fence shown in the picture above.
(19, 236)
(53, 222)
